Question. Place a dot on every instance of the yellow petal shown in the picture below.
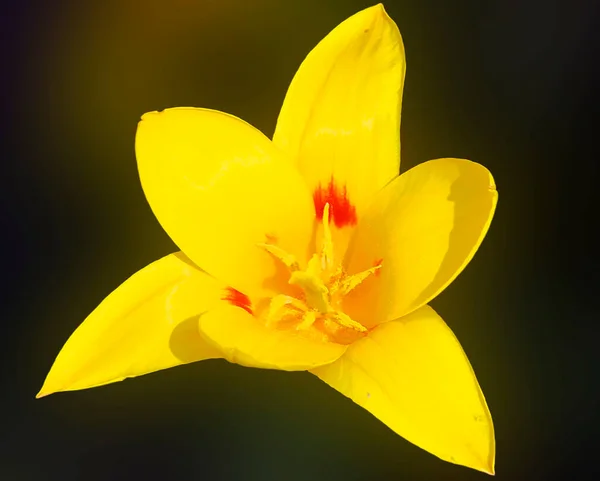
(148, 323)
(341, 116)
(245, 340)
(423, 228)
(219, 188)
(413, 375)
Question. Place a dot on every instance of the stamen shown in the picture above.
(318, 310)
(308, 320)
(314, 288)
(288, 259)
(349, 283)
(327, 250)
(282, 306)
(314, 266)
(346, 321)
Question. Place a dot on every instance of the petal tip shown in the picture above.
(491, 470)
(487, 464)
(491, 180)
(492, 185)
(154, 114)
(47, 388)
(42, 394)
(377, 12)
(381, 10)
(149, 115)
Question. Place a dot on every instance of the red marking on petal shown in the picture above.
(342, 212)
(378, 263)
(238, 299)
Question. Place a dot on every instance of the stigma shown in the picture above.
(317, 309)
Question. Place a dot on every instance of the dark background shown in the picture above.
(511, 84)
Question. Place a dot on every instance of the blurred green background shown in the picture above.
(505, 83)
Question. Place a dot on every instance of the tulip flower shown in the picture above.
(307, 252)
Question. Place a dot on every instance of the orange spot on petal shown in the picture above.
(342, 212)
(271, 238)
(237, 298)
(378, 263)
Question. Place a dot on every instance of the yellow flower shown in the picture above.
(307, 252)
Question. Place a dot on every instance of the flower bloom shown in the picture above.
(308, 251)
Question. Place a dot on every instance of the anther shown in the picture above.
(288, 259)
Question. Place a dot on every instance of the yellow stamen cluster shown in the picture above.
(324, 286)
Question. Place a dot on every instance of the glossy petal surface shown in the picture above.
(219, 187)
(413, 375)
(424, 227)
(245, 340)
(150, 322)
(340, 120)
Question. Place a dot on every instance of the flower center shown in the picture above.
(317, 310)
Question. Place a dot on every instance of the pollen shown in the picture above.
(317, 311)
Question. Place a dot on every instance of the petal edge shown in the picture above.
(245, 340)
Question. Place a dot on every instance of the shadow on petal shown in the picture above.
(188, 345)
(474, 199)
